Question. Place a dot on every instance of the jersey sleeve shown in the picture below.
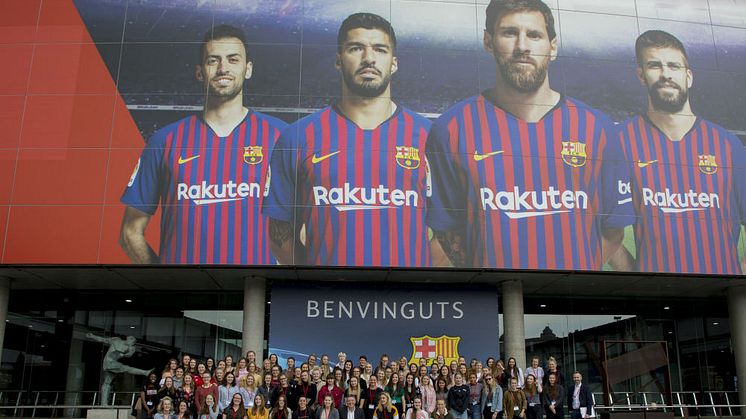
(447, 200)
(616, 197)
(143, 190)
(280, 195)
(739, 178)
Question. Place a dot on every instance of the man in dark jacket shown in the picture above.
(579, 398)
(349, 410)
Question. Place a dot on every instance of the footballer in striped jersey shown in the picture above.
(523, 176)
(688, 174)
(208, 172)
(350, 183)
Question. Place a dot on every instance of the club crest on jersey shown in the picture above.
(253, 154)
(407, 157)
(707, 164)
(573, 153)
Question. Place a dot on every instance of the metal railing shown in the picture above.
(707, 403)
(70, 404)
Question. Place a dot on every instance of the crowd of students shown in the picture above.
(318, 389)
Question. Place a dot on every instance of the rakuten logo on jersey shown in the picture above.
(205, 193)
(348, 198)
(670, 202)
(517, 204)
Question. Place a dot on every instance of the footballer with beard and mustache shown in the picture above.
(688, 175)
(523, 176)
(353, 176)
(208, 172)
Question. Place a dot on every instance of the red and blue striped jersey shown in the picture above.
(689, 197)
(527, 195)
(210, 190)
(361, 194)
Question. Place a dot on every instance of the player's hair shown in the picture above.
(223, 32)
(658, 39)
(499, 8)
(365, 21)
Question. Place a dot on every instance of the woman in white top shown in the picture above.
(536, 371)
(416, 411)
(427, 392)
(512, 371)
(226, 391)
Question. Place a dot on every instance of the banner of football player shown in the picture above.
(508, 134)
(411, 322)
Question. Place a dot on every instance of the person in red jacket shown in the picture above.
(333, 390)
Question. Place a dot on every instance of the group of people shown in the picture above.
(520, 176)
(392, 389)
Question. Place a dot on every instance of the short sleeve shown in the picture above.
(616, 196)
(143, 190)
(447, 198)
(280, 195)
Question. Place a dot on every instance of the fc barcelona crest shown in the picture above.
(707, 164)
(429, 348)
(573, 153)
(407, 157)
(253, 154)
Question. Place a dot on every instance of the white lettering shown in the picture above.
(671, 202)
(522, 204)
(312, 308)
(349, 197)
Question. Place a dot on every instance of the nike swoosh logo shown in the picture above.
(319, 159)
(188, 159)
(480, 157)
(642, 164)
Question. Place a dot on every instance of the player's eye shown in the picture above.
(510, 32)
(675, 66)
(534, 35)
(655, 65)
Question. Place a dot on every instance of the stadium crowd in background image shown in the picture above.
(321, 388)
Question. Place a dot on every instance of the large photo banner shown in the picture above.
(418, 324)
(505, 134)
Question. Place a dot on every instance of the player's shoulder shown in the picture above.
(273, 122)
(416, 117)
(160, 137)
(311, 119)
(723, 133)
(581, 106)
(457, 108)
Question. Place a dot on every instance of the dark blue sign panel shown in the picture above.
(411, 322)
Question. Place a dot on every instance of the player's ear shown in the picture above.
(249, 70)
(198, 73)
(553, 51)
(338, 62)
(638, 71)
(689, 78)
(487, 41)
(394, 65)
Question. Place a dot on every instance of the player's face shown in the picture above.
(522, 49)
(664, 72)
(224, 68)
(367, 62)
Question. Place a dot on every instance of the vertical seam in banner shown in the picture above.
(116, 97)
(20, 134)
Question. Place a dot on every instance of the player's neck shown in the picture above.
(529, 107)
(367, 113)
(224, 116)
(674, 125)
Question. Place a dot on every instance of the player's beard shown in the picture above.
(519, 77)
(665, 102)
(224, 94)
(366, 89)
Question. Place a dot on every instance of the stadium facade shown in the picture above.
(87, 82)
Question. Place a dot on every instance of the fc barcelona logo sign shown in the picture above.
(707, 164)
(430, 348)
(573, 153)
(407, 157)
(253, 154)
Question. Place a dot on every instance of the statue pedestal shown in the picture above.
(109, 414)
